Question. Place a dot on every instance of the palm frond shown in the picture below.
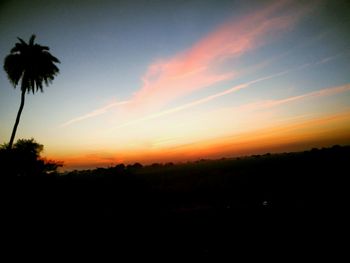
(22, 41)
(31, 63)
(31, 40)
(13, 66)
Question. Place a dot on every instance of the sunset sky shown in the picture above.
(158, 81)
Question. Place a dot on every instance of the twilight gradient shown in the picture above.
(157, 81)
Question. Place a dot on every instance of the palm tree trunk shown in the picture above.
(17, 119)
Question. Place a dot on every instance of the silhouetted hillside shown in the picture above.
(207, 197)
(287, 180)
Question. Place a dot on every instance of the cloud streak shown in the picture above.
(94, 113)
(248, 107)
(198, 67)
(252, 106)
(233, 89)
(201, 101)
(311, 95)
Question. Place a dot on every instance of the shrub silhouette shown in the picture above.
(33, 65)
(23, 159)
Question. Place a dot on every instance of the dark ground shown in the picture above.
(209, 208)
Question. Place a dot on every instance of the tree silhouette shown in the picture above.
(24, 159)
(33, 65)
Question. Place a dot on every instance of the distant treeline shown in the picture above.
(308, 179)
(285, 180)
(186, 208)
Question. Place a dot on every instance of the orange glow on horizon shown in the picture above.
(168, 82)
(296, 135)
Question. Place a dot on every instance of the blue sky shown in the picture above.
(166, 60)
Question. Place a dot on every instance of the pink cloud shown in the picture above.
(197, 67)
(202, 100)
(250, 106)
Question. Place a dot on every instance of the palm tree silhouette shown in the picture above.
(33, 65)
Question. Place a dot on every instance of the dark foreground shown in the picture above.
(202, 209)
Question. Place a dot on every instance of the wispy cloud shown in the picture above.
(95, 112)
(299, 131)
(256, 105)
(233, 89)
(197, 67)
(274, 103)
(247, 107)
(201, 101)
